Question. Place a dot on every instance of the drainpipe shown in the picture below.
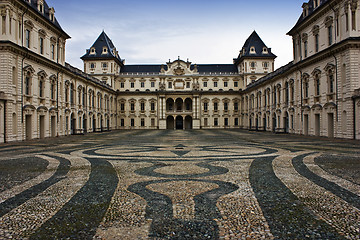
(22, 66)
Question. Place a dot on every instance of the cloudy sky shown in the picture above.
(154, 31)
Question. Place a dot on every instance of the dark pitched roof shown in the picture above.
(103, 41)
(202, 68)
(254, 41)
(311, 10)
(271, 75)
(33, 4)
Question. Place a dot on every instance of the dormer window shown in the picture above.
(52, 14)
(105, 50)
(41, 6)
(265, 50)
(92, 51)
(252, 50)
(305, 7)
(316, 3)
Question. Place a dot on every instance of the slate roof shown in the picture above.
(271, 75)
(46, 14)
(311, 10)
(254, 41)
(103, 41)
(202, 68)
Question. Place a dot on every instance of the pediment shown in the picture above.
(179, 68)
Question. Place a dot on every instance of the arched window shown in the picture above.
(72, 92)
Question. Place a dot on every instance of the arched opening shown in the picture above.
(274, 123)
(170, 122)
(179, 122)
(53, 126)
(188, 104)
(42, 126)
(73, 124)
(179, 105)
(330, 125)
(108, 124)
(264, 122)
(85, 123)
(286, 122)
(28, 127)
(94, 124)
(256, 124)
(188, 122)
(170, 105)
(102, 124)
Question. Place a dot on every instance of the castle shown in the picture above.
(318, 93)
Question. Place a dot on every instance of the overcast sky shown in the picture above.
(154, 31)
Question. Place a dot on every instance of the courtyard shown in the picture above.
(196, 184)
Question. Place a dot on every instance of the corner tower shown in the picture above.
(102, 60)
(255, 60)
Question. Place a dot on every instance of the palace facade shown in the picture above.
(318, 93)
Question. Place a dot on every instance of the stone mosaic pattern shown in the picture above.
(220, 184)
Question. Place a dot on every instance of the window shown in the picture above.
(142, 84)
(316, 42)
(215, 84)
(266, 64)
(132, 84)
(52, 49)
(41, 45)
(226, 106)
(216, 122)
(353, 20)
(52, 90)
(122, 84)
(169, 84)
(122, 107)
(252, 50)
(317, 86)
(236, 84)
(205, 106)
(132, 107)
(142, 106)
(287, 96)
(187, 84)
(104, 65)
(152, 106)
(236, 122)
(306, 89)
(252, 64)
(205, 84)
(27, 38)
(152, 84)
(92, 65)
(205, 122)
(122, 122)
(41, 87)
(236, 106)
(132, 122)
(215, 106)
(305, 49)
(346, 20)
(330, 35)
(142, 121)
(226, 121)
(27, 85)
(153, 122)
(331, 82)
(105, 50)
(225, 84)
(72, 94)
(92, 51)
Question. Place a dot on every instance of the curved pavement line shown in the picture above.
(33, 191)
(309, 161)
(287, 216)
(240, 210)
(50, 170)
(48, 202)
(337, 190)
(324, 204)
(160, 210)
(82, 214)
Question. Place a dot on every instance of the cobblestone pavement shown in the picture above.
(221, 184)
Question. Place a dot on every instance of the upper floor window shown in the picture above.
(305, 49)
(152, 106)
(169, 84)
(330, 35)
(316, 42)
(265, 50)
(142, 84)
(252, 50)
(236, 106)
(252, 64)
(215, 84)
(205, 106)
(41, 43)
(205, 84)
(236, 84)
(92, 51)
(52, 49)
(265, 64)
(28, 84)
(152, 84)
(226, 106)
(104, 65)
(92, 65)
(215, 106)
(27, 38)
(105, 50)
(41, 87)
(225, 84)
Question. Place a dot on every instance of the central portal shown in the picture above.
(179, 122)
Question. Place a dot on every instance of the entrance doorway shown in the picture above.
(53, 126)
(42, 127)
(330, 125)
(73, 124)
(179, 122)
(85, 123)
(317, 124)
(306, 124)
(188, 122)
(286, 123)
(28, 127)
(170, 122)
